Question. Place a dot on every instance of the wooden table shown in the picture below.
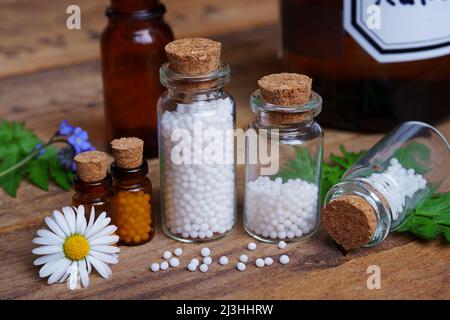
(48, 73)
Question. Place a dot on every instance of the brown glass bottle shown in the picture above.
(359, 93)
(132, 48)
(132, 204)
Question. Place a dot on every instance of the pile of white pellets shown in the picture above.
(205, 261)
(397, 184)
(199, 199)
(277, 210)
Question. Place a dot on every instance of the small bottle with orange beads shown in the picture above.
(93, 184)
(132, 192)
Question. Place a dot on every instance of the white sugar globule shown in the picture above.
(260, 263)
(243, 258)
(205, 252)
(178, 252)
(277, 210)
(241, 266)
(284, 259)
(167, 255)
(154, 267)
(192, 267)
(207, 260)
(174, 262)
(203, 267)
(164, 265)
(397, 184)
(223, 260)
(195, 261)
(251, 246)
(199, 198)
(282, 245)
(268, 261)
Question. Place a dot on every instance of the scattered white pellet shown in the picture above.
(178, 252)
(167, 255)
(203, 268)
(164, 265)
(282, 244)
(205, 252)
(174, 262)
(260, 263)
(192, 267)
(195, 261)
(155, 267)
(207, 260)
(284, 259)
(268, 261)
(243, 258)
(251, 246)
(223, 260)
(240, 266)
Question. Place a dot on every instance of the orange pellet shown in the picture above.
(132, 212)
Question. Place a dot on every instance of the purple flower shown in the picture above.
(79, 141)
(65, 128)
(65, 156)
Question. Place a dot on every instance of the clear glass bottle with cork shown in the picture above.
(394, 176)
(196, 124)
(93, 183)
(282, 198)
(132, 192)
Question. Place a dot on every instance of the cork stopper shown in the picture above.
(91, 165)
(193, 56)
(127, 152)
(350, 221)
(285, 89)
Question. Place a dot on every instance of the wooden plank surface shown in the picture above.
(50, 86)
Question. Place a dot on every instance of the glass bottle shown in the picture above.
(397, 173)
(132, 47)
(92, 187)
(198, 193)
(282, 198)
(132, 209)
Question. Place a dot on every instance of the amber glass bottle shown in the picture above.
(366, 87)
(132, 48)
(92, 184)
(132, 192)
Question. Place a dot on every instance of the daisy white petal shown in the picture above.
(44, 233)
(47, 250)
(83, 273)
(64, 278)
(46, 241)
(81, 220)
(59, 270)
(99, 224)
(61, 221)
(88, 266)
(104, 240)
(103, 232)
(47, 258)
(48, 268)
(91, 220)
(101, 267)
(105, 249)
(104, 257)
(70, 218)
(55, 227)
(73, 272)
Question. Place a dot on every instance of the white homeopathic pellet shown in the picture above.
(243, 258)
(167, 255)
(205, 252)
(154, 267)
(164, 265)
(207, 260)
(260, 263)
(178, 252)
(223, 260)
(203, 267)
(199, 198)
(284, 259)
(277, 210)
(251, 246)
(282, 244)
(268, 261)
(195, 261)
(241, 266)
(174, 262)
(192, 267)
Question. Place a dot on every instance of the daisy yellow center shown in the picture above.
(76, 247)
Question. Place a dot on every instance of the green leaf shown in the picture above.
(447, 233)
(427, 231)
(415, 156)
(38, 173)
(11, 181)
(59, 175)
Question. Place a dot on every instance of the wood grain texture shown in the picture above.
(52, 87)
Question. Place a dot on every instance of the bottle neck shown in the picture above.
(94, 189)
(139, 10)
(129, 176)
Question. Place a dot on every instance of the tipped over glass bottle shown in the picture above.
(392, 178)
(282, 190)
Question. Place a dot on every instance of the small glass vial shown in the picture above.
(92, 183)
(132, 192)
(396, 174)
(282, 197)
(195, 114)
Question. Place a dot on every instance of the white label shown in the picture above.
(399, 30)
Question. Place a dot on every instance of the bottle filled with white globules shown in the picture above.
(283, 159)
(379, 190)
(196, 125)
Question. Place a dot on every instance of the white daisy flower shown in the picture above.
(73, 246)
